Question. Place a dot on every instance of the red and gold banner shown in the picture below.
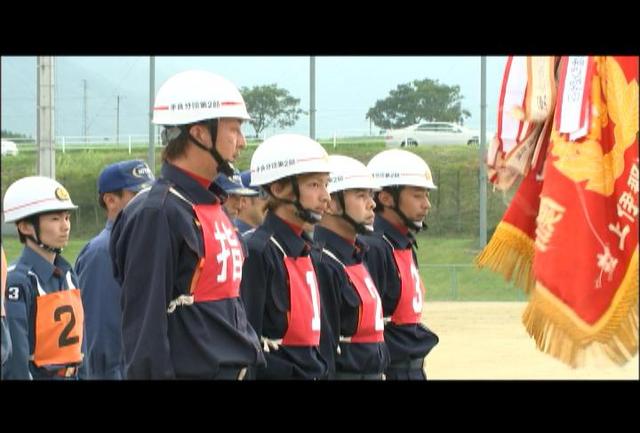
(517, 150)
(586, 239)
(511, 250)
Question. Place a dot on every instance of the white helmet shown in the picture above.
(34, 195)
(192, 96)
(400, 167)
(349, 173)
(286, 155)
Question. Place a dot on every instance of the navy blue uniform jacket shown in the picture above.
(21, 294)
(155, 246)
(362, 358)
(405, 342)
(265, 291)
(102, 315)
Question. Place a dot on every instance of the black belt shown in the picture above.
(412, 364)
(231, 373)
(343, 375)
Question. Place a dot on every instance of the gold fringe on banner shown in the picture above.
(510, 251)
(559, 332)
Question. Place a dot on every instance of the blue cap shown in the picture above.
(131, 175)
(245, 177)
(233, 185)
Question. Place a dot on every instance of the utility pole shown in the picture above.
(482, 156)
(84, 110)
(117, 120)
(312, 103)
(151, 154)
(45, 127)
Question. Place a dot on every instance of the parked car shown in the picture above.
(9, 148)
(429, 133)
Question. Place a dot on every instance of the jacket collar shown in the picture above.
(397, 238)
(347, 252)
(188, 185)
(293, 244)
(43, 268)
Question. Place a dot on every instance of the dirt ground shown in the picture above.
(487, 340)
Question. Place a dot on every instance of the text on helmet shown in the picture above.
(275, 164)
(196, 105)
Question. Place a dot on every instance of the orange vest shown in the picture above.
(59, 326)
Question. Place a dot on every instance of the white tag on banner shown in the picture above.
(573, 94)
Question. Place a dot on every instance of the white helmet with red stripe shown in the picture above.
(349, 173)
(285, 155)
(192, 96)
(35, 195)
(400, 167)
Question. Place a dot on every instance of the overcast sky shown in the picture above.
(346, 87)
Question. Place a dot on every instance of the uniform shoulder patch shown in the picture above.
(13, 293)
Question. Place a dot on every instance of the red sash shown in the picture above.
(409, 309)
(304, 316)
(219, 273)
(370, 324)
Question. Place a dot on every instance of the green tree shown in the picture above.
(419, 100)
(270, 105)
(10, 134)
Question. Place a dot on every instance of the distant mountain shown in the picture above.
(106, 78)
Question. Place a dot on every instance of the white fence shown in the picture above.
(67, 142)
(131, 141)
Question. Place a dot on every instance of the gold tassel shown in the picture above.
(509, 251)
(559, 332)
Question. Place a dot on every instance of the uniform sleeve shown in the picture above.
(330, 312)
(80, 265)
(253, 287)
(144, 257)
(6, 340)
(381, 266)
(17, 366)
(81, 283)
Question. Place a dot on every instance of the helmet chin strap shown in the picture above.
(415, 226)
(224, 167)
(35, 222)
(304, 214)
(360, 228)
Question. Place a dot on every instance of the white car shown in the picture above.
(9, 148)
(429, 133)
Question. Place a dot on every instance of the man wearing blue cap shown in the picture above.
(252, 207)
(236, 192)
(117, 185)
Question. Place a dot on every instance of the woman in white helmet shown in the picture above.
(44, 307)
(360, 350)
(176, 253)
(401, 207)
(279, 285)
